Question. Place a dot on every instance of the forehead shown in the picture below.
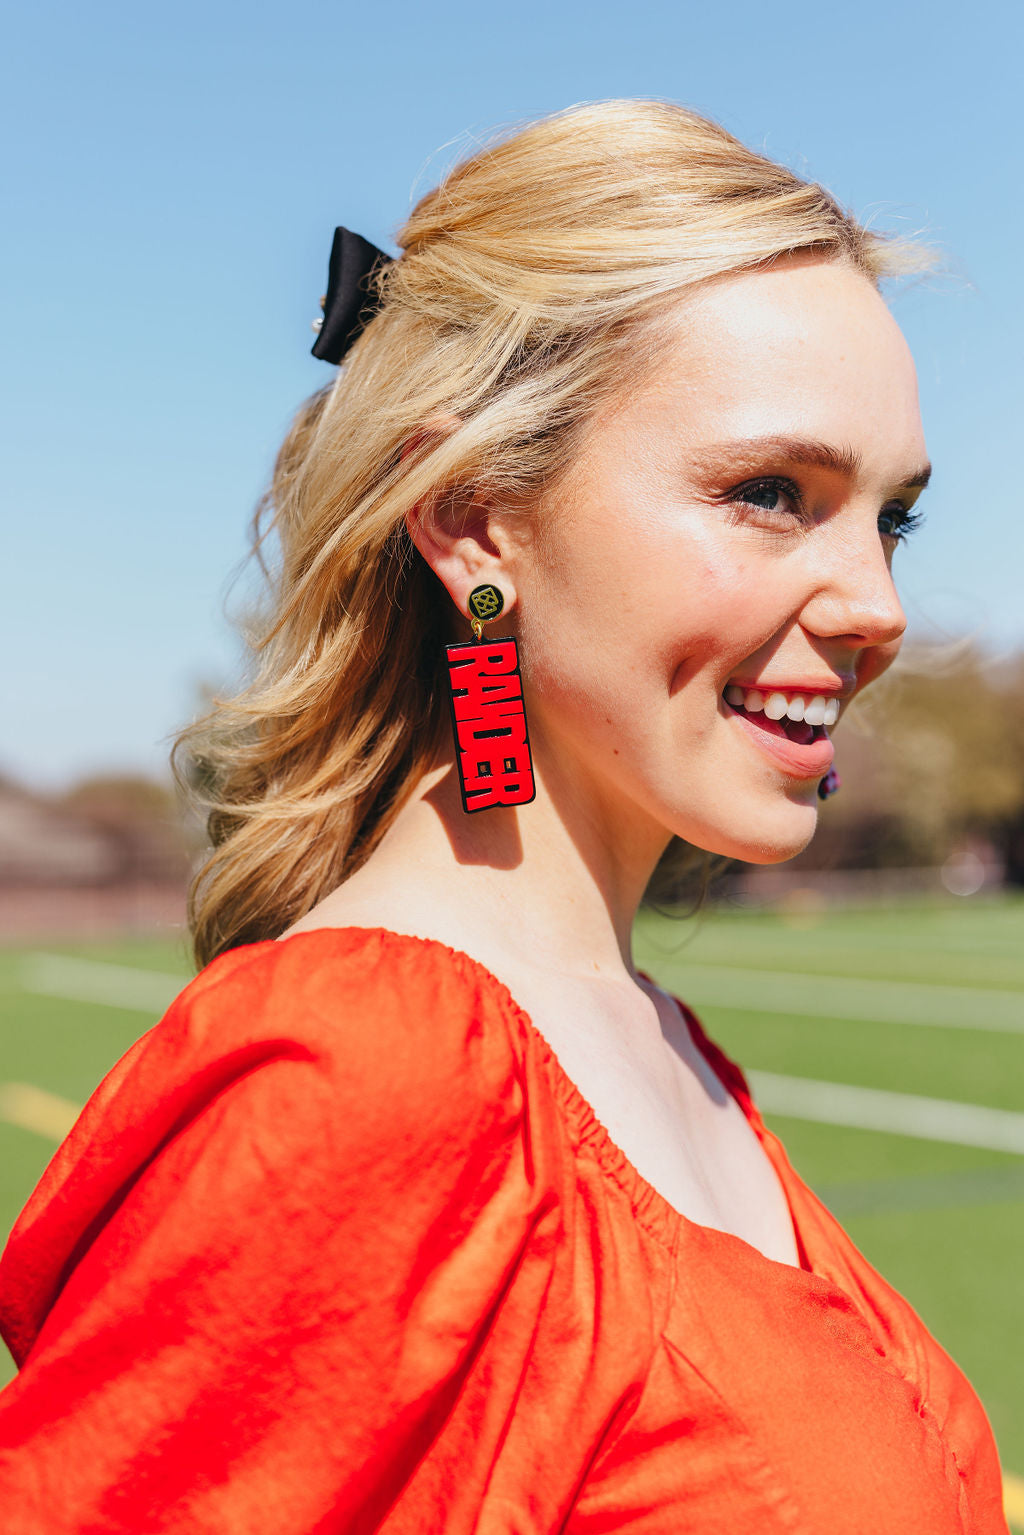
(806, 348)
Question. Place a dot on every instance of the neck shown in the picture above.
(559, 876)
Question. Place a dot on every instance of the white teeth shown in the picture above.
(815, 711)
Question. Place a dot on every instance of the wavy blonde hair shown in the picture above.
(527, 292)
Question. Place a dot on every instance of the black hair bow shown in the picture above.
(348, 306)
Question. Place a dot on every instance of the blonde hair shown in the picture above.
(518, 306)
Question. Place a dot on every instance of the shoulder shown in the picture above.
(355, 1000)
(339, 1069)
(329, 1040)
(350, 1030)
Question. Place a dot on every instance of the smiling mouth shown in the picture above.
(801, 747)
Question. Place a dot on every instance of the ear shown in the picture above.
(463, 538)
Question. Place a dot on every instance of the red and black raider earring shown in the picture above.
(492, 747)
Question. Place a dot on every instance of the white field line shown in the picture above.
(33, 1108)
(853, 997)
(88, 980)
(861, 1108)
(869, 1108)
(761, 991)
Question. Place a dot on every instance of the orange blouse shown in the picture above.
(338, 1247)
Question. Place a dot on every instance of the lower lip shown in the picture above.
(810, 761)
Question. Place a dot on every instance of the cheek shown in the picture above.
(645, 590)
(728, 608)
(627, 631)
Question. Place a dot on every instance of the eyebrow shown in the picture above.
(801, 450)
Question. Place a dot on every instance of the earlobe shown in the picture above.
(454, 540)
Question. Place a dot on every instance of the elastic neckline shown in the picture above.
(651, 1208)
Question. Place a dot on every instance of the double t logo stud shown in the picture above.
(492, 747)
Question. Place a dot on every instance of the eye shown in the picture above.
(771, 494)
(898, 521)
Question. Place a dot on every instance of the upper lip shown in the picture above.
(827, 687)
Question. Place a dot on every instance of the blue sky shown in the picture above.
(175, 176)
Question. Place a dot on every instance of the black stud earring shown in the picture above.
(484, 604)
(485, 689)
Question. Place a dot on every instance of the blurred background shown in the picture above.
(173, 181)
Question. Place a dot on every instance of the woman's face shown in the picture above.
(728, 530)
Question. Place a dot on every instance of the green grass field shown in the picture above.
(942, 1220)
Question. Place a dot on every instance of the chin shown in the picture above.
(772, 838)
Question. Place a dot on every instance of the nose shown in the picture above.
(856, 600)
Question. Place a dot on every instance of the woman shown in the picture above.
(353, 1240)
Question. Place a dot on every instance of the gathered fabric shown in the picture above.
(338, 1247)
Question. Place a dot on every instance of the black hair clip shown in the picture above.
(348, 305)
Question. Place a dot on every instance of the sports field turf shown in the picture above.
(914, 1008)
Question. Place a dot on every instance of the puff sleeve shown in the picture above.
(251, 1288)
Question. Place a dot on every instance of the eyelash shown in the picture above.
(909, 520)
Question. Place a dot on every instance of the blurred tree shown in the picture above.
(931, 756)
(141, 819)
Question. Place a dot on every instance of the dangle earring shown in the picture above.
(485, 689)
(829, 784)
